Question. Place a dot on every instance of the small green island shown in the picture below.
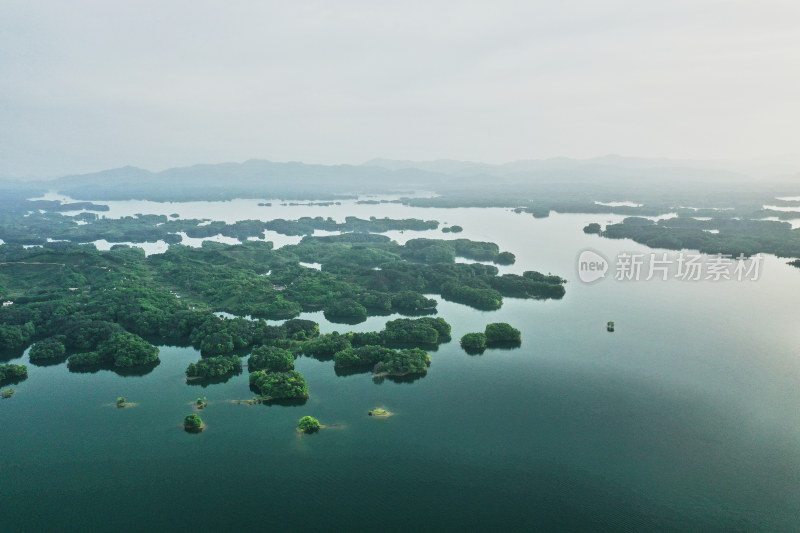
(7, 393)
(498, 334)
(502, 332)
(474, 342)
(193, 424)
(201, 403)
(452, 229)
(122, 402)
(278, 385)
(308, 424)
(380, 412)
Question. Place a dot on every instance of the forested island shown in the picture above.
(498, 334)
(308, 424)
(730, 236)
(99, 307)
(193, 424)
(30, 223)
(109, 310)
(10, 373)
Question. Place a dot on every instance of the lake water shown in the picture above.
(686, 418)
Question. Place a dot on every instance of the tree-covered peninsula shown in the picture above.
(212, 367)
(12, 373)
(717, 235)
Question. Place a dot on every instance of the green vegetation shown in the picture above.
(270, 358)
(379, 412)
(211, 367)
(610, 326)
(121, 349)
(362, 356)
(308, 424)
(201, 403)
(36, 228)
(346, 308)
(109, 309)
(278, 385)
(473, 294)
(126, 349)
(7, 393)
(11, 372)
(47, 349)
(445, 251)
(733, 236)
(83, 360)
(102, 305)
(425, 330)
(501, 332)
(121, 401)
(193, 423)
(15, 336)
(474, 342)
(452, 229)
(404, 362)
(324, 346)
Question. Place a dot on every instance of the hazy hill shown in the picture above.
(553, 180)
(253, 178)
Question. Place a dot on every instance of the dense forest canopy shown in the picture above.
(106, 309)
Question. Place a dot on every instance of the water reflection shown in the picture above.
(407, 379)
(126, 372)
(215, 380)
(12, 381)
(49, 362)
(10, 354)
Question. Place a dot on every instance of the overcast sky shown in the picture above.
(91, 85)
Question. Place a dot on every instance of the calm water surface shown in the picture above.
(685, 418)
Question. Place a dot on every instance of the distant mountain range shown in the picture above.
(608, 176)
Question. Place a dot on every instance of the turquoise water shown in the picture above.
(685, 418)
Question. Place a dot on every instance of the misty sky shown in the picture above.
(93, 85)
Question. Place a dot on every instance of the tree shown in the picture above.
(425, 330)
(193, 423)
(270, 358)
(363, 356)
(473, 341)
(308, 424)
(404, 362)
(126, 349)
(279, 385)
(500, 332)
(11, 372)
(210, 367)
(47, 349)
